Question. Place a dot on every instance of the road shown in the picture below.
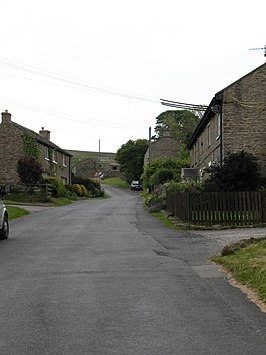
(105, 277)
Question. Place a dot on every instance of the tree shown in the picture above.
(180, 123)
(130, 156)
(29, 170)
(239, 172)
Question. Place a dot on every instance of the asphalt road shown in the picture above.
(105, 277)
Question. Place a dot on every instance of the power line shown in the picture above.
(78, 83)
(184, 106)
(69, 117)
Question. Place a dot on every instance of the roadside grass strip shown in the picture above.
(16, 212)
(246, 263)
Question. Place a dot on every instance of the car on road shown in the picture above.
(135, 185)
(4, 226)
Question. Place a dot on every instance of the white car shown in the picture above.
(135, 185)
(4, 226)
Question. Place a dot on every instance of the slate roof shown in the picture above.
(40, 139)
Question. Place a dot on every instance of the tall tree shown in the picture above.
(180, 123)
(130, 156)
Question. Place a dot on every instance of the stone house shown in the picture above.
(235, 120)
(91, 168)
(165, 147)
(54, 160)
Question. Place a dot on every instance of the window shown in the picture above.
(209, 135)
(218, 126)
(64, 160)
(46, 153)
(54, 156)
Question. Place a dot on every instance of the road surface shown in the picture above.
(105, 277)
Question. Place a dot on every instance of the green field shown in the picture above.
(80, 155)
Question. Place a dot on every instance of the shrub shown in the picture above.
(83, 190)
(183, 186)
(239, 172)
(161, 176)
(77, 189)
(156, 200)
(93, 188)
(58, 188)
(171, 164)
(29, 170)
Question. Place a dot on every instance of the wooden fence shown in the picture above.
(222, 208)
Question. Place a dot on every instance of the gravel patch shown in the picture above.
(229, 236)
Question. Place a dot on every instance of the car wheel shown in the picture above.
(4, 232)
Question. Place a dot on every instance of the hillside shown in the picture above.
(79, 155)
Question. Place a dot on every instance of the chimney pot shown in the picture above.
(44, 133)
(6, 117)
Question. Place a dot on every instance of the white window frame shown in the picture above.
(46, 153)
(64, 160)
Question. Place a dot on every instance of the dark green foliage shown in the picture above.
(239, 172)
(31, 147)
(58, 188)
(93, 188)
(161, 176)
(171, 164)
(180, 123)
(130, 156)
(29, 170)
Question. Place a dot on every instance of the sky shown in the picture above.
(93, 72)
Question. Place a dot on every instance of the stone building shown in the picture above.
(91, 168)
(165, 147)
(235, 120)
(54, 160)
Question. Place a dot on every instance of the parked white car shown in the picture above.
(4, 226)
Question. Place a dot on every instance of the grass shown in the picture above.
(246, 262)
(80, 155)
(15, 212)
(163, 219)
(116, 182)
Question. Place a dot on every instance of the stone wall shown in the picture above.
(11, 150)
(206, 150)
(244, 116)
(164, 147)
(242, 125)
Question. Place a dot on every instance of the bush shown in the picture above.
(93, 188)
(83, 190)
(239, 172)
(182, 186)
(77, 189)
(165, 166)
(29, 170)
(58, 188)
(161, 176)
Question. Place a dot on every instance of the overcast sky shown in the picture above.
(95, 70)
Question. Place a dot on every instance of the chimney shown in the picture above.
(45, 133)
(6, 117)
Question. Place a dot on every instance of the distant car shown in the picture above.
(135, 185)
(4, 226)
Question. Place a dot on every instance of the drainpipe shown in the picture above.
(221, 134)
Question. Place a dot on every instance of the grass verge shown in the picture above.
(162, 218)
(15, 212)
(116, 182)
(246, 263)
